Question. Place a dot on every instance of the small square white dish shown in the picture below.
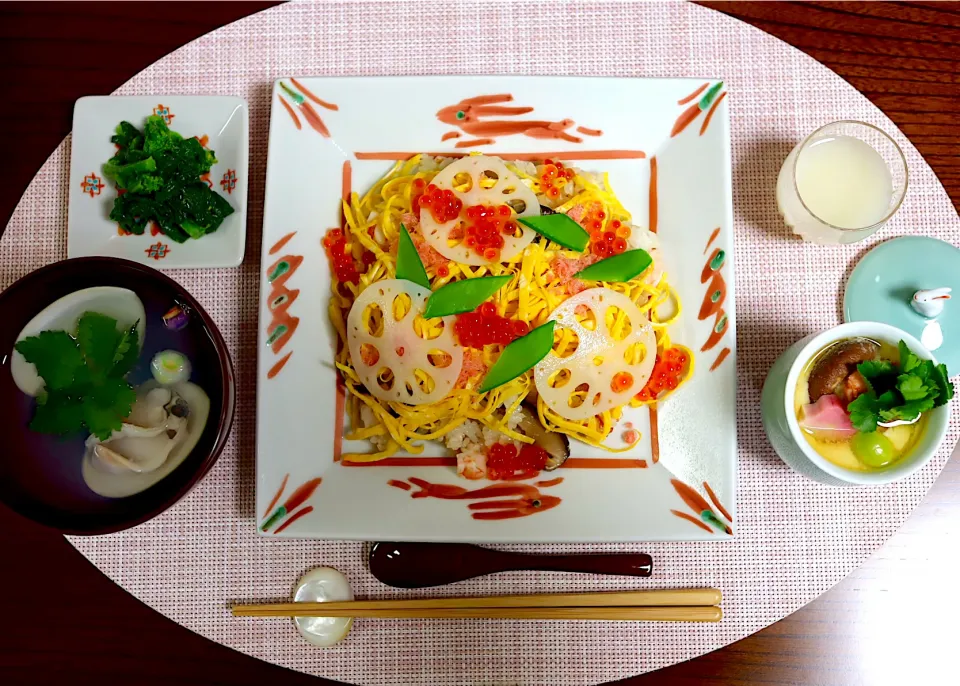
(221, 122)
(666, 146)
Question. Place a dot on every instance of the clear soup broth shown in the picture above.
(825, 394)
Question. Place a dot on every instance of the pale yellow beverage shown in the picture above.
(844, 182)
(841, 183)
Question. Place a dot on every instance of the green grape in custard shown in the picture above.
(873, 449)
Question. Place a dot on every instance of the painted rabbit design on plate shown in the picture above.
(482, 117)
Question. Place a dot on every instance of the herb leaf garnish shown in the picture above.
(899, 394)
(84, 376)
(55, 355)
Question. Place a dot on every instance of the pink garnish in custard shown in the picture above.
(827, 419)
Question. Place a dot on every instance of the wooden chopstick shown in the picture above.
(648, 598)
(613, 605)
(701, 613)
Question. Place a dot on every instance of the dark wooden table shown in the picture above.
(889, 622)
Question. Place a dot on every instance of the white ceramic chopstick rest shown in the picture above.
(320, 585)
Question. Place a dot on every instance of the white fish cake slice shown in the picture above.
(399, 348)
(508, 189)
(598, 357)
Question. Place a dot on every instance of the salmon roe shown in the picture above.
(418, 186)
(668, 371)
(443, 204)
(484, 326)
(608, 241)
(487, 225)
(621, 381)
(505, 462)
(344, 268)
(553, 177)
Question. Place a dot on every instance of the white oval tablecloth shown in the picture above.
(795, 538)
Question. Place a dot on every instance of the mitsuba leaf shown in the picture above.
(57, 413)
(905, 393)
(84, 376)
(912, 387)
(880, 375)
(908, 361)
(906, 412)
(55, 355)
(865, 410)
(98, 339)
(942, 381)
(104, 412)
(127, 352)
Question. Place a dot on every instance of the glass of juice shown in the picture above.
(842, 183)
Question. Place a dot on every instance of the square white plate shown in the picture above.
(222, 119)
(666, 146)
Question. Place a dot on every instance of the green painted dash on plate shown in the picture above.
(717, 260)
(712, 93)
(276, 333)
(297, 98)
(282, 268)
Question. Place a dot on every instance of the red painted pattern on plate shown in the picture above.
(515, 499)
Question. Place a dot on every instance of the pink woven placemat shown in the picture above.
(794, 539)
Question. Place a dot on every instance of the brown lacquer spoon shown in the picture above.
(418, 565)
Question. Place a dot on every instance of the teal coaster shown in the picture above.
(883, 283)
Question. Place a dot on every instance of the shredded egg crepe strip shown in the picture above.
(538, 285)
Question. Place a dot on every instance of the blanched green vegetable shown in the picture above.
(559, 228)
(409, 266)
(160, 171)
(622, 267)
(463, 296)
(519, 356)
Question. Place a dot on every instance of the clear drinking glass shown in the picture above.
(842, 183)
